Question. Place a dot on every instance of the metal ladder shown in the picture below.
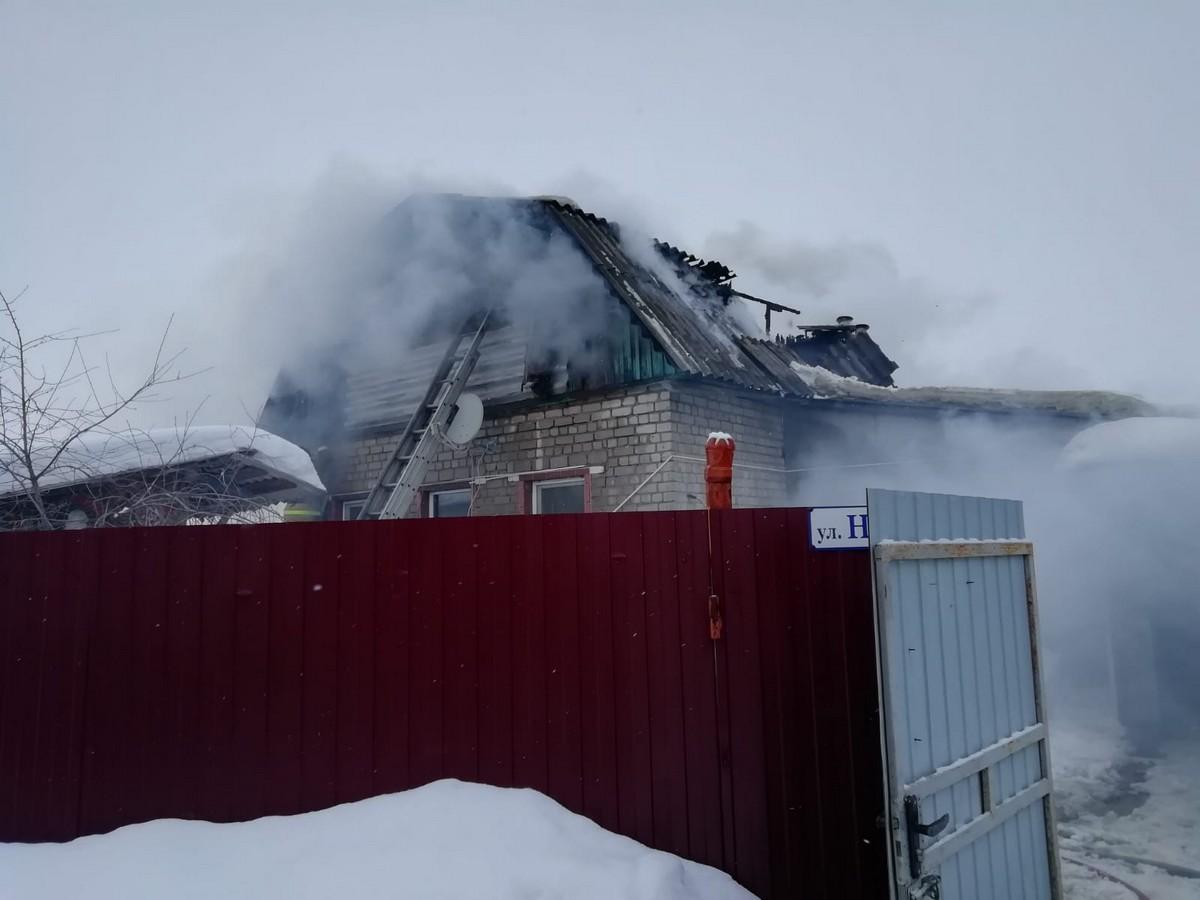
(403, 475)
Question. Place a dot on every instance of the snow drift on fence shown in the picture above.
(446, 840)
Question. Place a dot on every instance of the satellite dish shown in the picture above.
(467, 420)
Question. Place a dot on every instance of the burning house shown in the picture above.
(602, 363)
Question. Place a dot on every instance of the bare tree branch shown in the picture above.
(67, 447)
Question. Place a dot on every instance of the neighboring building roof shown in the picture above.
(264, 465)
(821, 384)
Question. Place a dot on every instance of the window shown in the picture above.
(351, 508)
(560, 495)
(450, 504)
(565, 490)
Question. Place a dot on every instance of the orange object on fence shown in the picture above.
(718, 473)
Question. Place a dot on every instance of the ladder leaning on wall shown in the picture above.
(393, 493)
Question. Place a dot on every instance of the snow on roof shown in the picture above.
(106, 454)
(1100, 404)
(449, 840)
(1149, 439)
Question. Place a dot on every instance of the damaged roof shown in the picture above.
(688, 315)
(680, 323)
(684, 306)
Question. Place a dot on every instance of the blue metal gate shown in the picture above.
(965, 740)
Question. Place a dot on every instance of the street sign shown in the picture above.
(838, 527)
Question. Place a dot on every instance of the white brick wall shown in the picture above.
(756, 423)
(629, 431)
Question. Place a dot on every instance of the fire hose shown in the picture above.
(1107, 876)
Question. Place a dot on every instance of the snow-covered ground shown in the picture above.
(1118, 813)
(445, 840)
(472, 842)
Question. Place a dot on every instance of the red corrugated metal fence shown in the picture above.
(225, 673)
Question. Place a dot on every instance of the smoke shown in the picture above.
(361, 269)
(935, 334)
(1119, 608)
(1114, 536)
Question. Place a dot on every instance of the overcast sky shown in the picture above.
(1023, 183)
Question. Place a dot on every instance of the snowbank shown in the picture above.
(1154, 439)
(445, 840)
(101, 454)
(825, 385)
(1118, 812)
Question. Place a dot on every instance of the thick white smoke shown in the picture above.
(361, 268)
(938, 336)
(1115, 539)
(1114, 536)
